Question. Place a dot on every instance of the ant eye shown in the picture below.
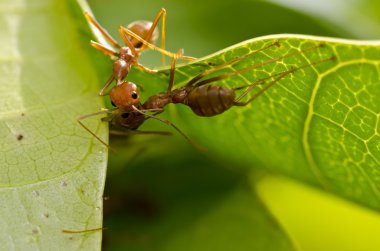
(125, 115)
(134, 95)
(112, 103)
(138, 45)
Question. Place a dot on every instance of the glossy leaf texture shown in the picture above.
(51, 170)
(319, 124)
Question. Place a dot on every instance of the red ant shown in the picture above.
(128, 55)
(203, 98)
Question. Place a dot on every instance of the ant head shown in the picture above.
(141, 28)
(125, 95)
(129, 120)
(126, 54)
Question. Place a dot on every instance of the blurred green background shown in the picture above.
(163, 194)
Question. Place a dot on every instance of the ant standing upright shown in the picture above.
(127, 56)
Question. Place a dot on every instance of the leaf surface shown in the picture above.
(51, 170)
(319, 124)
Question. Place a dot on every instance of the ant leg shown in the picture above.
(128, 42)
(103, 31)
(157, 110)
(188, 58)
(236, 101)
(227, 75)
(231, 62)
(172, 125)
(83, 231)
(129, 132)
(155, 71)
(146, 69)
(105, 50)
(163, 35)
(91, 115)
(257, 82)
(151, 46)
(161, 13)
(126, 32)
(230, 74)
(109, 81)
(172, 70)
(280, 76)
(162, 133)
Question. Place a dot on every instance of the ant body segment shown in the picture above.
(128, 55)
(203, 96)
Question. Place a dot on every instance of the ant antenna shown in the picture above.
(104, 111)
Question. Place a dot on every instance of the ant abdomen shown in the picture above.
(141, 28)
(157, 101)
(210, 100)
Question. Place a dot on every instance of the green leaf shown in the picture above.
(319, 125)
(305, 126)
(51, 170)
(270, 132)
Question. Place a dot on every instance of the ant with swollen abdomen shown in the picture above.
(204, 97)
(128, 55)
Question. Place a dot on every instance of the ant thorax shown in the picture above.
(157, 101)
(162, 99)
(122, 66)
(126, 54)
